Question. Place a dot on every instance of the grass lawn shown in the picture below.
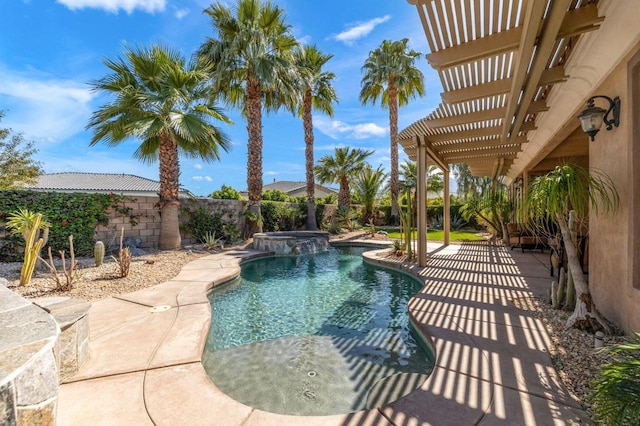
(438, 235)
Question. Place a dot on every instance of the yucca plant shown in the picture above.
(616, 393)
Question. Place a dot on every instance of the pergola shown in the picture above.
(499, 62)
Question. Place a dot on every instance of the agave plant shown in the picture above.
(616, 393)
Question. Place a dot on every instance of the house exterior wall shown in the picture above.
(614, 239)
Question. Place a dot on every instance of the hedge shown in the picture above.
(76, 214)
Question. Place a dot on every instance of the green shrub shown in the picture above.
(616, 393)
(275, 195)
(277, 216)
(76, 214)
(200, 222)
(226, 193)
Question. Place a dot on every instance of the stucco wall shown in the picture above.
(611, 257)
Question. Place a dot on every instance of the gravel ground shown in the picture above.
(572, 350)
(93, 283)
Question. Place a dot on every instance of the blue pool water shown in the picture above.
(315, 335)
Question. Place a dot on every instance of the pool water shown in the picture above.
(315, 335)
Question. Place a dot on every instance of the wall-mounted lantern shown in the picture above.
(592, 117)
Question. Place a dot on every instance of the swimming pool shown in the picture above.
(315, 335)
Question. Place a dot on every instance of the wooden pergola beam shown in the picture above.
(575, 22)
(472, 117)
(499, 87)
(465, 157)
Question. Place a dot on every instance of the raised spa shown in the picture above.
(315, 335)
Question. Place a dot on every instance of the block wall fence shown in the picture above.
(147, 228)
(148, 219)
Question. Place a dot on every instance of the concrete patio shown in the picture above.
(492, 367)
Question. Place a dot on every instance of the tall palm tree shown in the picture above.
(318, 93)
(552, 197)
(342, 167)
(391, 76)
(468, 185)
(368, 187)
(253, 57)
(165, 102)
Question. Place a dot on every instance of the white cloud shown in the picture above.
(114, 6)
(202, 178)
(197, 166)
(181, 13)
(271, 173)
(45, 109)
(359, 30)
(336, 129)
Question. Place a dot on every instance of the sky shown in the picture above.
(50, 50)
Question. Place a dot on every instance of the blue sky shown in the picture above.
(51, 49)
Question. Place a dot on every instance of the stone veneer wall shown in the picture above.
(28, 368)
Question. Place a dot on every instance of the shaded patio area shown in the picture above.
(492, 366)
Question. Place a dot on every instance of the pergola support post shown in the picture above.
(446, 214)
(422, 203)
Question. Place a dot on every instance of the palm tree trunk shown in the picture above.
(585, 316)
(393, 130)
(308, 140)
(344, 195)
(169, 238)
(254, 152)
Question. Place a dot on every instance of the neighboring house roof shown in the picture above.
(288, 186)
(99, 182)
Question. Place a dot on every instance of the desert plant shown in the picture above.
(406, 219)
(98, 253)
(551, 198)
(69, 273)
(616, 392)
(210, 241)
(29, 224)
(124, 257)
(398, 247)
(345, 217)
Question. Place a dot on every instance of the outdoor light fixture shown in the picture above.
(592, 117)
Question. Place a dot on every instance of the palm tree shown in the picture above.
(253, 57)
(552, 197)
(390, 75)
(368, 186)
(468, 185)
(345, 165)
(166, 103)
(318, 93)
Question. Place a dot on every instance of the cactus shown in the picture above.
(98, 253)
(29, 224)
(31, 251)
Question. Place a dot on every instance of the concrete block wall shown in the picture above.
(147, 216)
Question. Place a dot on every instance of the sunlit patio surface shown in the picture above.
(492, 367)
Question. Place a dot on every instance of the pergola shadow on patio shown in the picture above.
(492, 358)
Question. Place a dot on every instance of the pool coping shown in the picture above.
(146, 347)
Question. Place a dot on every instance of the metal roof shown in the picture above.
(498, 61)
(96, 182)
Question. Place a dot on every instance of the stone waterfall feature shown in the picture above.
(292, 242)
